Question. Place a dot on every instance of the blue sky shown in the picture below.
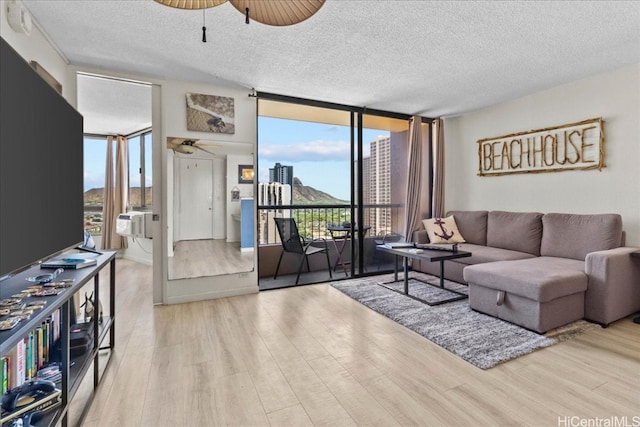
(94, 152)
(94, 165)
(319, 153)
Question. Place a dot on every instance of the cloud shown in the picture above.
(317, 151)
(93, 180)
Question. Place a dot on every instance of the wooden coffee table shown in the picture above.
(423, 255)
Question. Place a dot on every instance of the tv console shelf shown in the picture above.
(75, 369)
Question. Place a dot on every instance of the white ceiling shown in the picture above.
(433, 58)
(113, 107)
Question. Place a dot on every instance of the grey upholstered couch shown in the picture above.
(542, 271)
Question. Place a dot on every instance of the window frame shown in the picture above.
(142, 170)
(143, 133)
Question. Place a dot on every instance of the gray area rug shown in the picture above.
(481, 340)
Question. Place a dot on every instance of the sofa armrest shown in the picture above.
(614, 284)
(420, 236)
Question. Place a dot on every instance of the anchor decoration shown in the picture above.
(445, 234)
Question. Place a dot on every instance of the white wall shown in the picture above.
(613, 96)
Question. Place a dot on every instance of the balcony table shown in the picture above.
(340, 235)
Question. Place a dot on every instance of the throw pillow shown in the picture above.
(443, 230)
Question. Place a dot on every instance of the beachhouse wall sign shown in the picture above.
(568, 147)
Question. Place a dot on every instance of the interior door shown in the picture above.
(195, 200)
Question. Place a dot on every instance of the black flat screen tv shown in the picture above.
(41, 167)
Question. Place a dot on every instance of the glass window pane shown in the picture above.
(148, 169)
(308, 157)
(94, 167)
(304, 158)
(384, 173)
(134, 172)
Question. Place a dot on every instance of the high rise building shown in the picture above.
(377, 185)
(272, 194)
(282, 174)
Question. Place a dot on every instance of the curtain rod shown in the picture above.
(131, 135)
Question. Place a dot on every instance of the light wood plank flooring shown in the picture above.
(207, 257)
(311, 356)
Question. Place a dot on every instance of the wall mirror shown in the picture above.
(210, 207)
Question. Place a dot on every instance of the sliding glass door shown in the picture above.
(339, 173)
(383, 185)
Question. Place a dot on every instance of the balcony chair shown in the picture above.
(381, 240)
(293, 243)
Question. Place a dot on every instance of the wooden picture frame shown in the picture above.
(245, 174)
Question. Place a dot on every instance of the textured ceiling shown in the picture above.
(113, 107)
(416, 57)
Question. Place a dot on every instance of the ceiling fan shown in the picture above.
(189, 146)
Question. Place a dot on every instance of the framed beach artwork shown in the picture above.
(210, 113)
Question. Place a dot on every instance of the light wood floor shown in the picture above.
(310, 355)
(207, 257)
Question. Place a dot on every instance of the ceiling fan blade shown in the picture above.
(173, 142)
(208, 144)
(205, 150)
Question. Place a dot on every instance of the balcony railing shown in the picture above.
(313, 220)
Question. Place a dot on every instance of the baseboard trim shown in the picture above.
(213, 295)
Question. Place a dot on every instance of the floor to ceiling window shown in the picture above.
(140, 176)
(326, 167)
(95, 148)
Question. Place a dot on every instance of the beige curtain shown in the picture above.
(438, 170)
(414, 179)
(115, 193)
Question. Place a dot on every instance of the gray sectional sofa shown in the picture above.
(542, 271)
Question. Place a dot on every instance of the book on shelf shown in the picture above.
(4, 374)
(16, 368)
(69, 262)
(34, 352)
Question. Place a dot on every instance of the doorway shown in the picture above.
(195, 178)
(112, 107)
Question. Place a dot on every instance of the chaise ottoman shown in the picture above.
(538, 294)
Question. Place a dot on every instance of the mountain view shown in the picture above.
(94, 196)
(303, 195)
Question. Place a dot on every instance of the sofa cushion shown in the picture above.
(574, 236)
(540, 278)
(481, 254)
(472, 225)
(443, 230)
(518, 231)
